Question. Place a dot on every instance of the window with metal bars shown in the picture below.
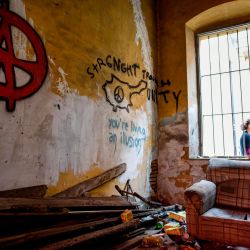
(224, 77)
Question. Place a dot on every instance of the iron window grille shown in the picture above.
(224, 88)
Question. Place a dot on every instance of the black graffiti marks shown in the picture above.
(119, 93)
(147, 76)
(176, 97)
(113, 63)
(168, 83)
(165, 94)
(152, 95)
(116, 89)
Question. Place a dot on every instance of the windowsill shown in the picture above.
(240, 158)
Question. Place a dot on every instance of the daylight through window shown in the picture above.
(224, 71)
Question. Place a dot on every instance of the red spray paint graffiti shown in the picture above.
(9, 91)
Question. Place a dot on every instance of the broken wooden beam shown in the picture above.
(23, 238)
(26, 192)
(20, 204)
(86, 238)
(92, 183)
(129, 244)
(71, 214)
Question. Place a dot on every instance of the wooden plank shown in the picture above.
(129, 244)
(49, 203)
(72, 214)
(90, 184)
(44, 233)
(26, 192)
(82, 239)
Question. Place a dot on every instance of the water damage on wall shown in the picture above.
(90, 99)
(142, 34)
(176, 171)
(142, 38)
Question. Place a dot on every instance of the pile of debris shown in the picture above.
(73, 220)
(92, 222)
(172, 233)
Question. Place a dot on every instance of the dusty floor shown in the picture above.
(216, 246)
(206, 246)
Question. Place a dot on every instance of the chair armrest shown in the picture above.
(201, 196)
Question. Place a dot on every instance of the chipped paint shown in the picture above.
(175, 171)
(185, 157)
(61, 135)
(178, 144)
(20, 46)
(183, 179)
(62, 84)
(62, 144)
(142, 35)
(69, 178)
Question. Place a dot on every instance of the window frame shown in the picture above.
(198, 82)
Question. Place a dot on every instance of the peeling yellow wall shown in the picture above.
(81, 32)
(64, 130)
(176, 170)
(173, 16)
(68, 179)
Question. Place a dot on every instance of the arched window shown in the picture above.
(218, 79)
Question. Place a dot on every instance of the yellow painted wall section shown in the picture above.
(96, 107)
(80, 32)
(173, 16)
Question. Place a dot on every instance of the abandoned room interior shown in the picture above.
(125, 124)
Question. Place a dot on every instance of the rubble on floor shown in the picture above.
(30, 221)
(72, 220)
(89, 222)
(171, 234)
(103, 223)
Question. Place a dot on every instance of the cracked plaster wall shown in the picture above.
(63, 134)
(176, 170)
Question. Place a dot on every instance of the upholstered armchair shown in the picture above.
(218, 208)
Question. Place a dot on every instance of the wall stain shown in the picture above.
(69, 179)
(185, 157)
(70, 50)
(183, 180)
(204, 168)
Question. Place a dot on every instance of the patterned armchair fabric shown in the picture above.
(232, 179)
(218, 208)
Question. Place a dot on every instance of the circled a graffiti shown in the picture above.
(37, 70)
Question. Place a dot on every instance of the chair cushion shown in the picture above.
(225, 213)
(225, 225)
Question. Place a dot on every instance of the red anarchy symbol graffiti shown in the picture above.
(9, 91)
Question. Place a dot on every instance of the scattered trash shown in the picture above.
(153, 240)
(175, 230)
(172, 224)
(169, 231)
(179, 216)
(127, 216)
(159, 225)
